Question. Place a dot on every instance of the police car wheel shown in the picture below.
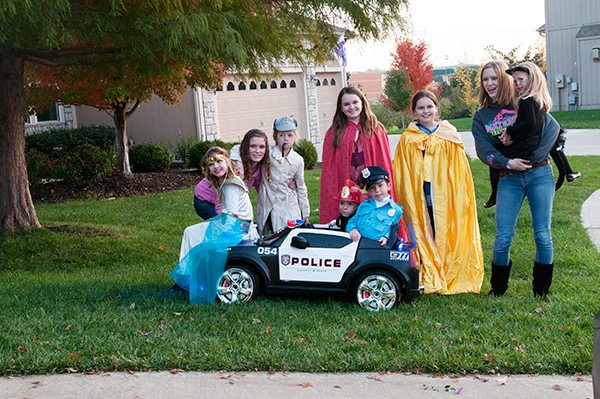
(377, 290)
(237, 284)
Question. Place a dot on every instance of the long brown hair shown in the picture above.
(506, 88)
(265, 163)
(209, 158)
(368, 120)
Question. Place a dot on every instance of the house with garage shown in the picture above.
(238, 105)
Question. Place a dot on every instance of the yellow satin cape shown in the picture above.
(452, 262)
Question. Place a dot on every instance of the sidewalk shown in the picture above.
(184, 385)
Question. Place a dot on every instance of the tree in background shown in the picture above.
(414, 58)
(458, 98)
(398, 91)
(535, 53)
(146, 38)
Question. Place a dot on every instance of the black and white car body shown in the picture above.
(321, 261)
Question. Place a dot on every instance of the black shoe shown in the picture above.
(542, 279)
(489, 204)
(499, 279)
(573, 176)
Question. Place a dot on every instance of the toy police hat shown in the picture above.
(285, 124)
(373, 174)
(519, 68)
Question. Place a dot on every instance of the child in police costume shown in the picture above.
(376, 216)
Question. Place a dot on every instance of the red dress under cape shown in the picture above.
(336, 163)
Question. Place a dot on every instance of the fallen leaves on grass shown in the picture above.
(521, 348)
(540, 308)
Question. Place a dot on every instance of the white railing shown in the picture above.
(31, 128)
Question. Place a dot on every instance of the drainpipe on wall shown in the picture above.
(199, 114)
(308, 84)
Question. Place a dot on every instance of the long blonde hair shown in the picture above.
(368, 120)
(506, 88)
(538, 88)
(210, 158)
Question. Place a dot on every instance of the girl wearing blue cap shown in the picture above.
(279, 202)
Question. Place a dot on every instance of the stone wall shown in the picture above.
(211, 116)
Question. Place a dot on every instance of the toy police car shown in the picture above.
(309, 260)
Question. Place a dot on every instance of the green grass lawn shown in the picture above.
(79, 295)
(585, 119)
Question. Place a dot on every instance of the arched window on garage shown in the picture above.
(282, 84)
(317, 82)
(325, 82)
(332, 82)
(263, 85)
(292, 83)
(273, 84)
(230, 86)
(253, 85)
(242, 86)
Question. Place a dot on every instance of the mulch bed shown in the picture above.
(117, 186)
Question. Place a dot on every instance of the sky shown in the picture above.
(456, 31)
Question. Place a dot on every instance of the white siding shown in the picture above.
(571, 56)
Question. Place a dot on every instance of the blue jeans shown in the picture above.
(537, 184)
(204, 209)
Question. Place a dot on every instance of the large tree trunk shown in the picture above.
(122, 143)
(16, 207)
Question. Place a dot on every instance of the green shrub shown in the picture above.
(388, 118)
(182, 152)
(150, 157)
(307, 150)
(56, 142)
(88, 163)
(199, 149)
(39, 166)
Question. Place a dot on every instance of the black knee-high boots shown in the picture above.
(542, 278)
(499, 279)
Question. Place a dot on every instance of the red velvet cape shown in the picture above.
(336, 163)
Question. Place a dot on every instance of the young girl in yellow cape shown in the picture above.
(433, 183)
